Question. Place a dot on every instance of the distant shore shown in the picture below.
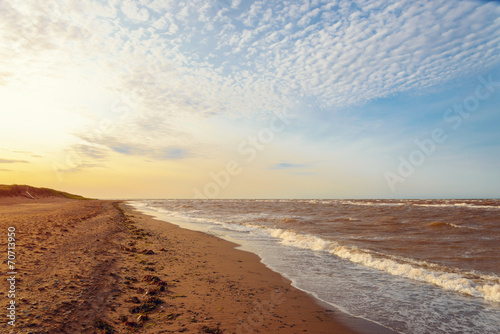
(98, 266)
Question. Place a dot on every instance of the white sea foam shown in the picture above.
(290, 238)
(487, 289)
(459, 205)
(433, 205)
(370, 203)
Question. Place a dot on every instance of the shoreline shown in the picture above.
(272, 304)
(349, 323)
(101, 266)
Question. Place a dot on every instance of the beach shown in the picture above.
(94, 266)
(386, 261)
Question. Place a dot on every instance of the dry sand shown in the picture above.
(82, 267)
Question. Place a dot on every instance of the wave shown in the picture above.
(444, 225)
(487, 288)
(479, 205)
(459, 205)
(290, 220)
(441, 224)
(343, 220)
(370, 203)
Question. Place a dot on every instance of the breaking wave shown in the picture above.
(487, 287)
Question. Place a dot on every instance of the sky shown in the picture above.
(251, 99)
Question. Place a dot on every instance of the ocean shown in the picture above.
(413, 266)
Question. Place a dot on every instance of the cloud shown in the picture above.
(287, 165)
(123, 149)
(174, 153)
(235, 3)
(133, 12)
(24, 153)
(162, 153)
(4, 77)
(91, 151)
(164, 60)
(340, 53)
(146, 139)
(9, 161)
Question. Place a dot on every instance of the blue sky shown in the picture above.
(231, 98)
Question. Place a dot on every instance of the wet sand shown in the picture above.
(90, 266)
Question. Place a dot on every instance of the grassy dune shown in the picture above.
(26, 191)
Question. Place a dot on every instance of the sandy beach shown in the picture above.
(92, 266)
(230, 166)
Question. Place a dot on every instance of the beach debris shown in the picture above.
(151, 279)
(103, 326)
(148, 252)
(142, 317)
(178, 296)
(163, 250)
(136, 309)
(147, 307)
(173, 316)
(134, 300)
(154, 300)
(150, 304)
(212, 329)
(127, 249)
(154, 280)
(132, 324)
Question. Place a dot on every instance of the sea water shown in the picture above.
(413, 266)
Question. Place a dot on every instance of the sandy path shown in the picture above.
(64, 252)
